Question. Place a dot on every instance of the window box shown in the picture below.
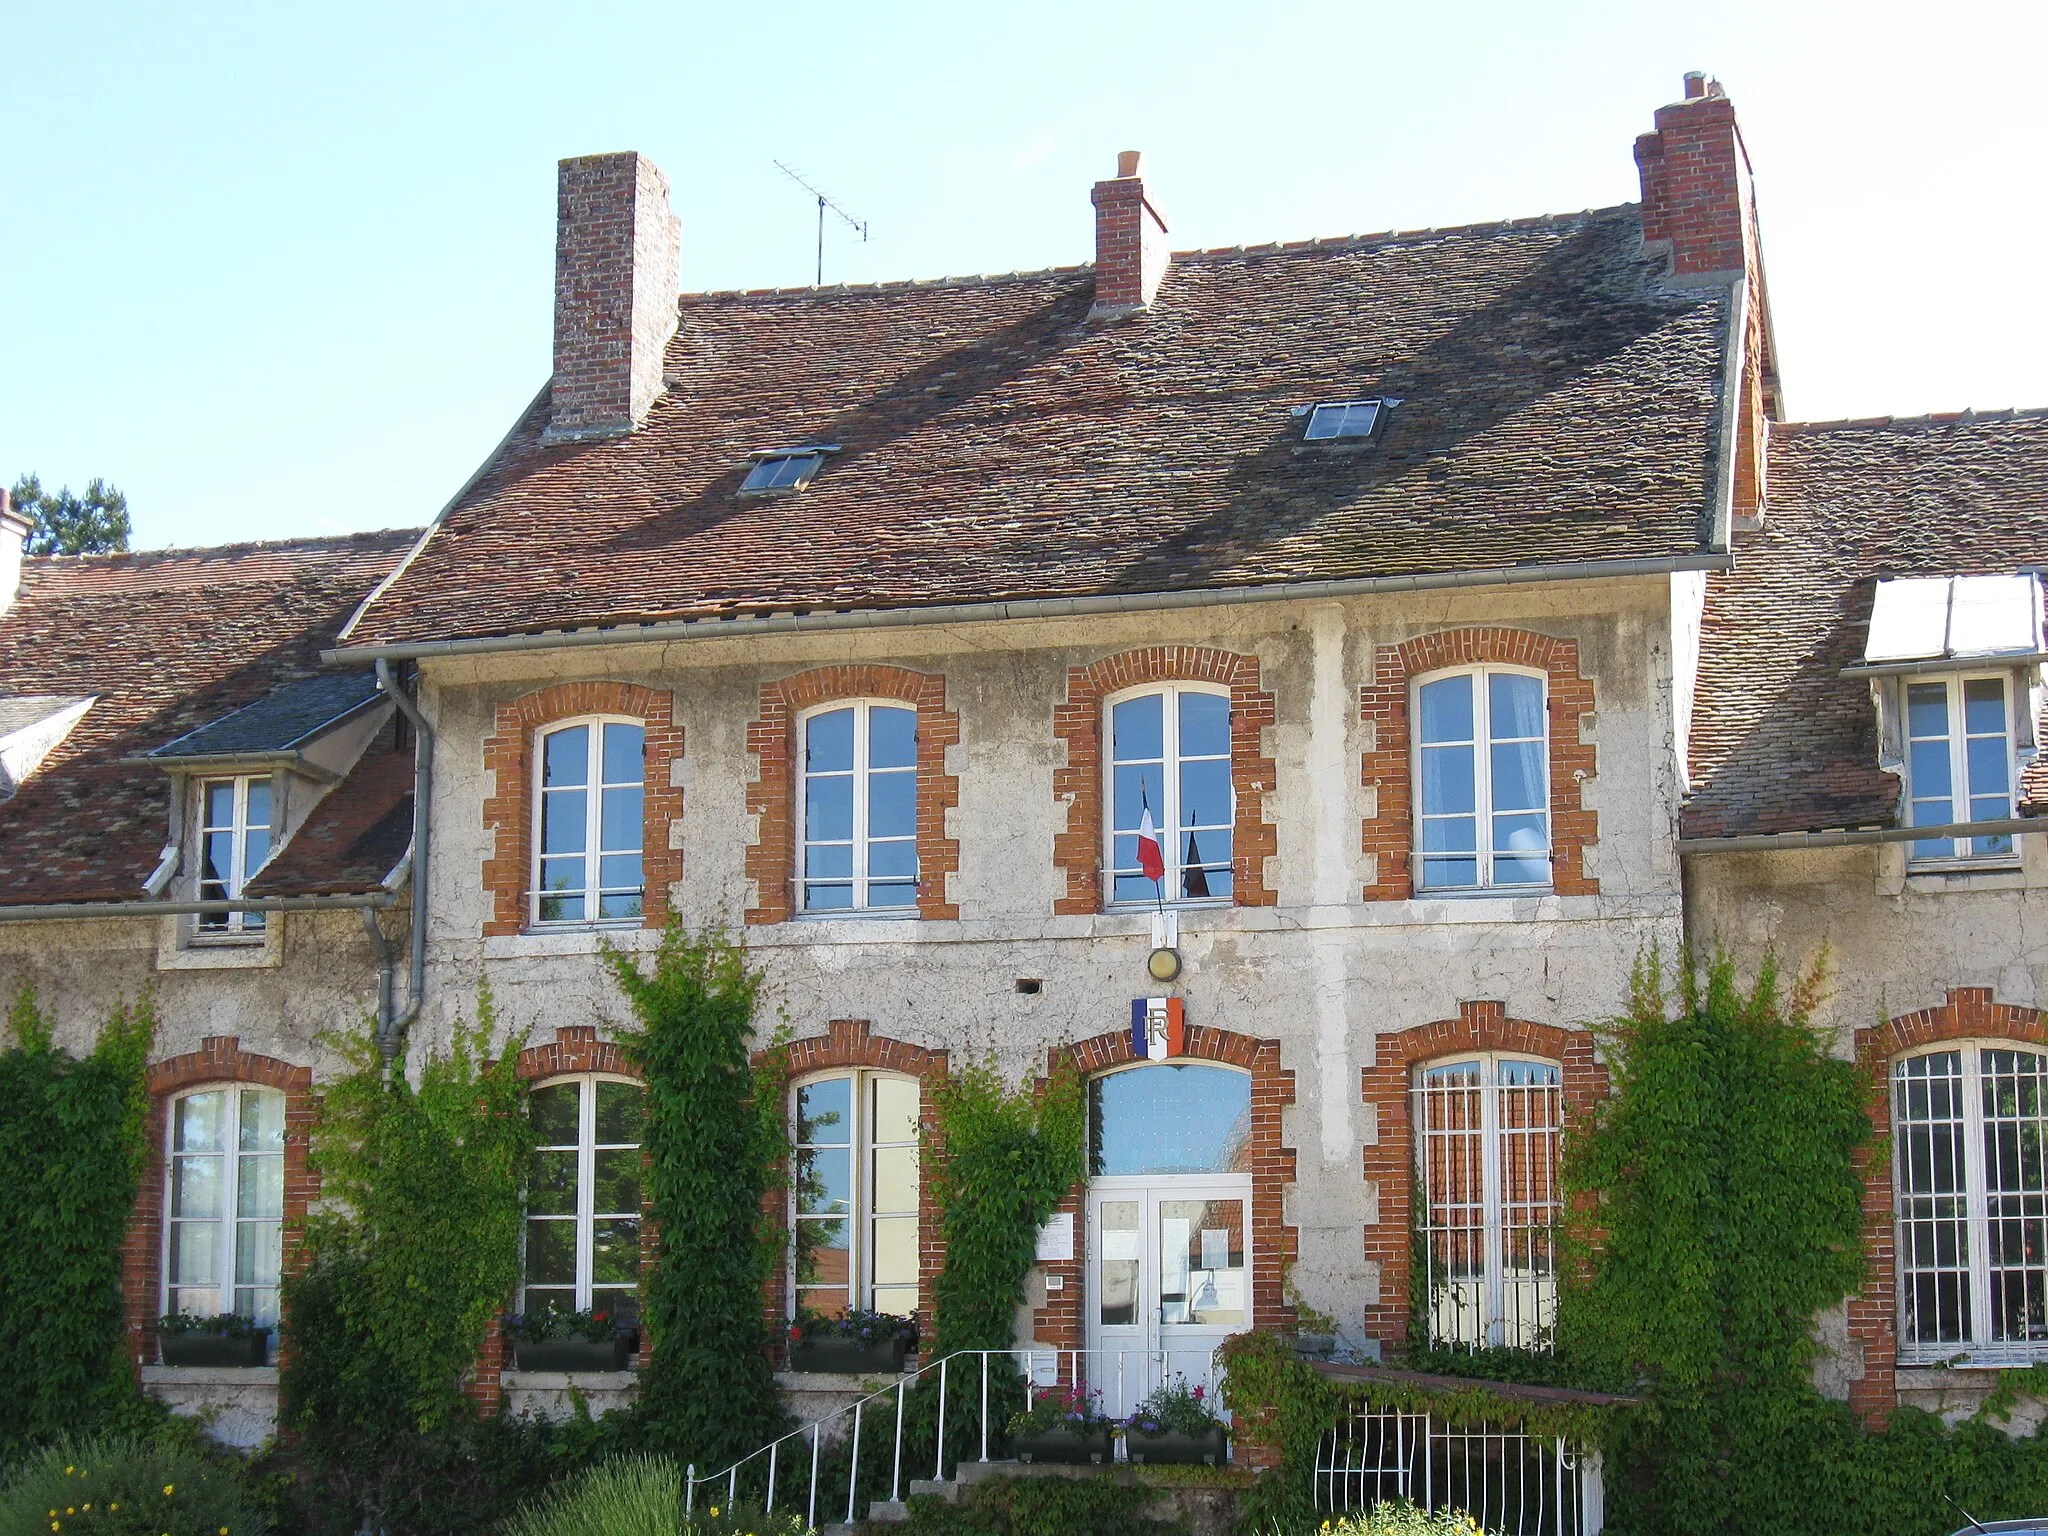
(1073, 1447)
(849, 1357)
(572, 1354)
(215, 1349)
(1171, 1448)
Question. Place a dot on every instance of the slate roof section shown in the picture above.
(21, 711)
(354, 837)
(280, 721)
(1781, 742)
(169, 640)
(1559, 405)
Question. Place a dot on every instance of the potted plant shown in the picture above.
(1062, 1424)
(227, 1339)
(598, 1340)
(855, 1343)
(1175, 1427)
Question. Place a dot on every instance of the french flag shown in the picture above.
(1151, 856)
(1159, 1028)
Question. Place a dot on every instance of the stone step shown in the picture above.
(888, 1512)
(944, 1488)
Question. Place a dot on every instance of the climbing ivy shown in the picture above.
(72, 1142)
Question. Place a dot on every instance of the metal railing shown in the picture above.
(994, 1381)
(1508, 1480)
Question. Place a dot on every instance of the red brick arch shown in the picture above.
(1390, 1157)
(508, 810)
(771, 857)
(1077, 851)
(1386, 768)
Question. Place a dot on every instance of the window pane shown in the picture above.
(1449, 873)
(1120, 1239)
(196, 1186)
(621, 1113)
(2016, 1206)
(1133, 888)
(1447, 709)
(1518, 776)
(218, 859)
(1519, 834)
(828, 898)
(895, 1180)
(828, 806)
(1927, 709)
(620, 814)
(824, 1252)
(563, 822)
(1526, 870)
(828, 742)
(1204, 725)
(1930, 775)
(565, 757)
(551, 1184)
(1134, 785)
(895, 1109)
(616, 1181)
(616, 905)
(561, 909)
(900, 1300)
(623, 749)
(259, 1185)
(1450, 834)
(620, 872)
(893, 860)
(1169, 1119)
(1932, 1212)
(1136, 729)
(257, 808)
(892, 804)
(824, 1181)
(255, 849)
(1514, 706)
(551, 1252)
(1204, 794)
(615, 1250)
(1448, 781)
(541, 1302)
(1984, 706)
(258, 1249)
(199, 1126)
(554, 1113)
(892, 738)
(262, 1121)
(824, 1112)
(828, 861)
(192, 1257)
(895, 1255)
(1988, 763)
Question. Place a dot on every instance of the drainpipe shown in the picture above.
(391, 1027)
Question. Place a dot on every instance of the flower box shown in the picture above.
(572, 1354)
(1171, 1448)
(1078, 1447)
(215, 1349)
(849, 1357)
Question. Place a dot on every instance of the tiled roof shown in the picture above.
(1558, 405)
(168, 640)
(1781, 742)
(281, 720)
(354, 837)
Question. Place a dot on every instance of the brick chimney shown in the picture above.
(14, 532)
(617, 248)
(1130, 243)
(1697, 185)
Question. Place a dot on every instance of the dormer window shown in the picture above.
(234, 840)
(785, 471)
(1959, 762)
(1332, 421)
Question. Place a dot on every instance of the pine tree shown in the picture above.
(67, 524)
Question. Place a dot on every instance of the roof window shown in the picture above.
(785, 471)
(1338, 420)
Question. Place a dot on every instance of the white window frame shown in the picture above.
(230, 1220)
(1961, 851)
(863, 710)
(1166, 813)
(592, 790)
(232, 925)
(1978, 1346)
(860, 1280)
(1494, 1327)
(1482, 784)
(587, 1215)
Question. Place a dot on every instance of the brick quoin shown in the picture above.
(848, 1044)
(1078, 851)
(772, 738)
(1386, 768)
(1390, 1160)
(508, 809)
(1968, 1014)
(1061, 1322)
(219, 1060)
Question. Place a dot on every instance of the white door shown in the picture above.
(1169, 1279)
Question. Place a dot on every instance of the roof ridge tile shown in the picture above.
(1968, 416)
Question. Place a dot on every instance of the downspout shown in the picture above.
(391, 1027)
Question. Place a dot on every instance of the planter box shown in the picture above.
(1074, 1447)
(849, 1357)
(572, 1354)
(1166, 1448)
(214, 1349)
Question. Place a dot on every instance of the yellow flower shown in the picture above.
(67, 1471)
(69, 1510)
(112, 1507)
(169, 1490)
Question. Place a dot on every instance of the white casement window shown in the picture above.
(588, 818)
(853, 1200)
(858, 808)
(583, 1195)
(1959, 762)
(224, 1199)
(1969, 1145)
(1488, 1131)
(234, 840)
(1169, 753)
(1482, 780)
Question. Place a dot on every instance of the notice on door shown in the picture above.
(1173, 1255)
(1056, 1239)
(1215, 1248)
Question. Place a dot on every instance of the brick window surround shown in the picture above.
(1061, 1322)
(1390, 1159)
(1967, 1014)
(771, 857)
(1078, 851)
(219, 1060)
(849, 1044)
(508, 811)
(1386, 767)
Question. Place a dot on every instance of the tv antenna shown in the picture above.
(825, 204)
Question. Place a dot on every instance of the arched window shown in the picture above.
(1488, 1130)
(1970, 1182)
(224, 1195)
(858, 807)
(1169, 758)
(853, 1200)
(583, 1195)
(1482, 770)
(588, 818)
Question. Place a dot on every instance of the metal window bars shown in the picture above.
(1510, 1481)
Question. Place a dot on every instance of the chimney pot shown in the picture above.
(1702, 216)
(1127, 162)
(1130, 243)
(1695, 85)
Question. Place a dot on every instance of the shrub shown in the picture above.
(1051, 1506)
(1398, 1517)
(126, 1487)
(640, 1496)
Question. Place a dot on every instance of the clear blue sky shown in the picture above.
(283, 269)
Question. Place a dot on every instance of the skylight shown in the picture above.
(785, 471)
(1927, 618)
(1335, 419)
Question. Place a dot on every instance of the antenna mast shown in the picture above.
(859, 226)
